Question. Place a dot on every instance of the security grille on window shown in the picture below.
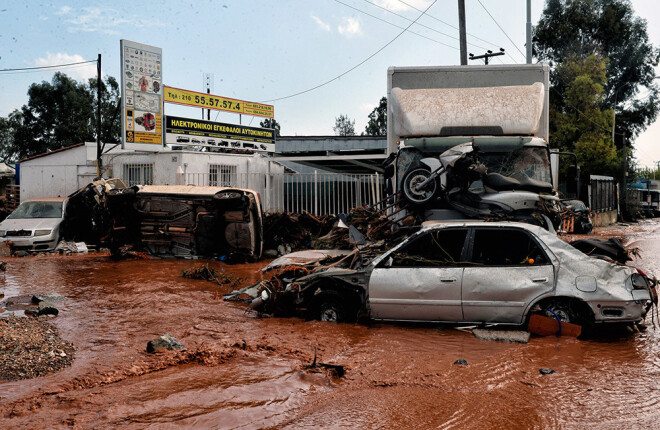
(138, 174)
(221, 175)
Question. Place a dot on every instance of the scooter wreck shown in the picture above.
(459, 178)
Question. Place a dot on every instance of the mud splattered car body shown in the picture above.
(471, 272)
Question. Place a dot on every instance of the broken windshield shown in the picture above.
(37, 210)
(532, 161)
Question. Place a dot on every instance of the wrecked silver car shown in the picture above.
(469, 272)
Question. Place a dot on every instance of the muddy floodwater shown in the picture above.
(241, 371)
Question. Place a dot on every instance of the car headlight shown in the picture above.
(43, 232)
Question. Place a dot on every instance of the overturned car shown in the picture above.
(183, 221)
(467, 272)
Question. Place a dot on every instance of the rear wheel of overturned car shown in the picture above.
(333, 307)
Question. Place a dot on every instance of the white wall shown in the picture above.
(61, 173)
(55, 175)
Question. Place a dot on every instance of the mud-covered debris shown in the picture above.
(48, 297)
(47, 308)
(3, 266)
(336, 370)
(611, 249)
(163, 343)
(517, 336)
(461, 361)
(207, 273)
(546, 371)
(202, 271)
(31, 347)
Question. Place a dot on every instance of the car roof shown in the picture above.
(47, 199)
(431, 225)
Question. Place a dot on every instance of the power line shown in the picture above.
(46, 67)
(507, 36)
(421, 25)
(394, 25)
(357, 65)
(446, 23)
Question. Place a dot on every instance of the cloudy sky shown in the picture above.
(262, 50)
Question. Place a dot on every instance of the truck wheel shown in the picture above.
(332, 307)
(411, 180)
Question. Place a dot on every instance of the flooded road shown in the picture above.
(240, 371)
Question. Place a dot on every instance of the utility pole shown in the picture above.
(529, 31)
(99, 153)
(487, 55)
(461, 31)
(208, 83)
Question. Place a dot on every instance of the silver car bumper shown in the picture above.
(621, 310)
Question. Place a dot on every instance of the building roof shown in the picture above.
(77, 145)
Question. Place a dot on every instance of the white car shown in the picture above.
(471, 272)
(34, 225)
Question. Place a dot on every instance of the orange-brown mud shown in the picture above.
(240, 371)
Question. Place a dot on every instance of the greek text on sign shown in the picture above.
(209, 101)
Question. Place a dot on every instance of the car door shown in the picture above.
(507, 270)
(421, 279)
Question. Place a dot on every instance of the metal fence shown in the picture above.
(602, 194)
(317, 193)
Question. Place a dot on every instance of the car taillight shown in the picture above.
(639, 282)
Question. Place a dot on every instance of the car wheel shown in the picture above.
(559, 310)
(332, 307)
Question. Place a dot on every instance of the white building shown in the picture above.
(61, 172)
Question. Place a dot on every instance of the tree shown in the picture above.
(582, 126)
(608, 28)
(344, 126)
(271, 123)
(377, 125)
(60, 113)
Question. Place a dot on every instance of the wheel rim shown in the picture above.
(329, 315)
(417, 177)
(561, 312)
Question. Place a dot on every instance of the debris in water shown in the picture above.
(544, 326)
(203, 271)
(518, 336)
(546, 371)
(31, 347)
(162, 343)
(336, 370)
(461, 361)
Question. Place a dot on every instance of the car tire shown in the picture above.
(561, 310)
(331, 306)
(410, 180)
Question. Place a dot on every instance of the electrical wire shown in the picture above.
(357, 65)
(25, 69)
(421, 25)
(500, 27)
(394, 25)
(446, 23)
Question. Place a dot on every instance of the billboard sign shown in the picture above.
(195, 132)
(141, 93)
(209, 101)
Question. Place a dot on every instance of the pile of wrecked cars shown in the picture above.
(461, 272)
